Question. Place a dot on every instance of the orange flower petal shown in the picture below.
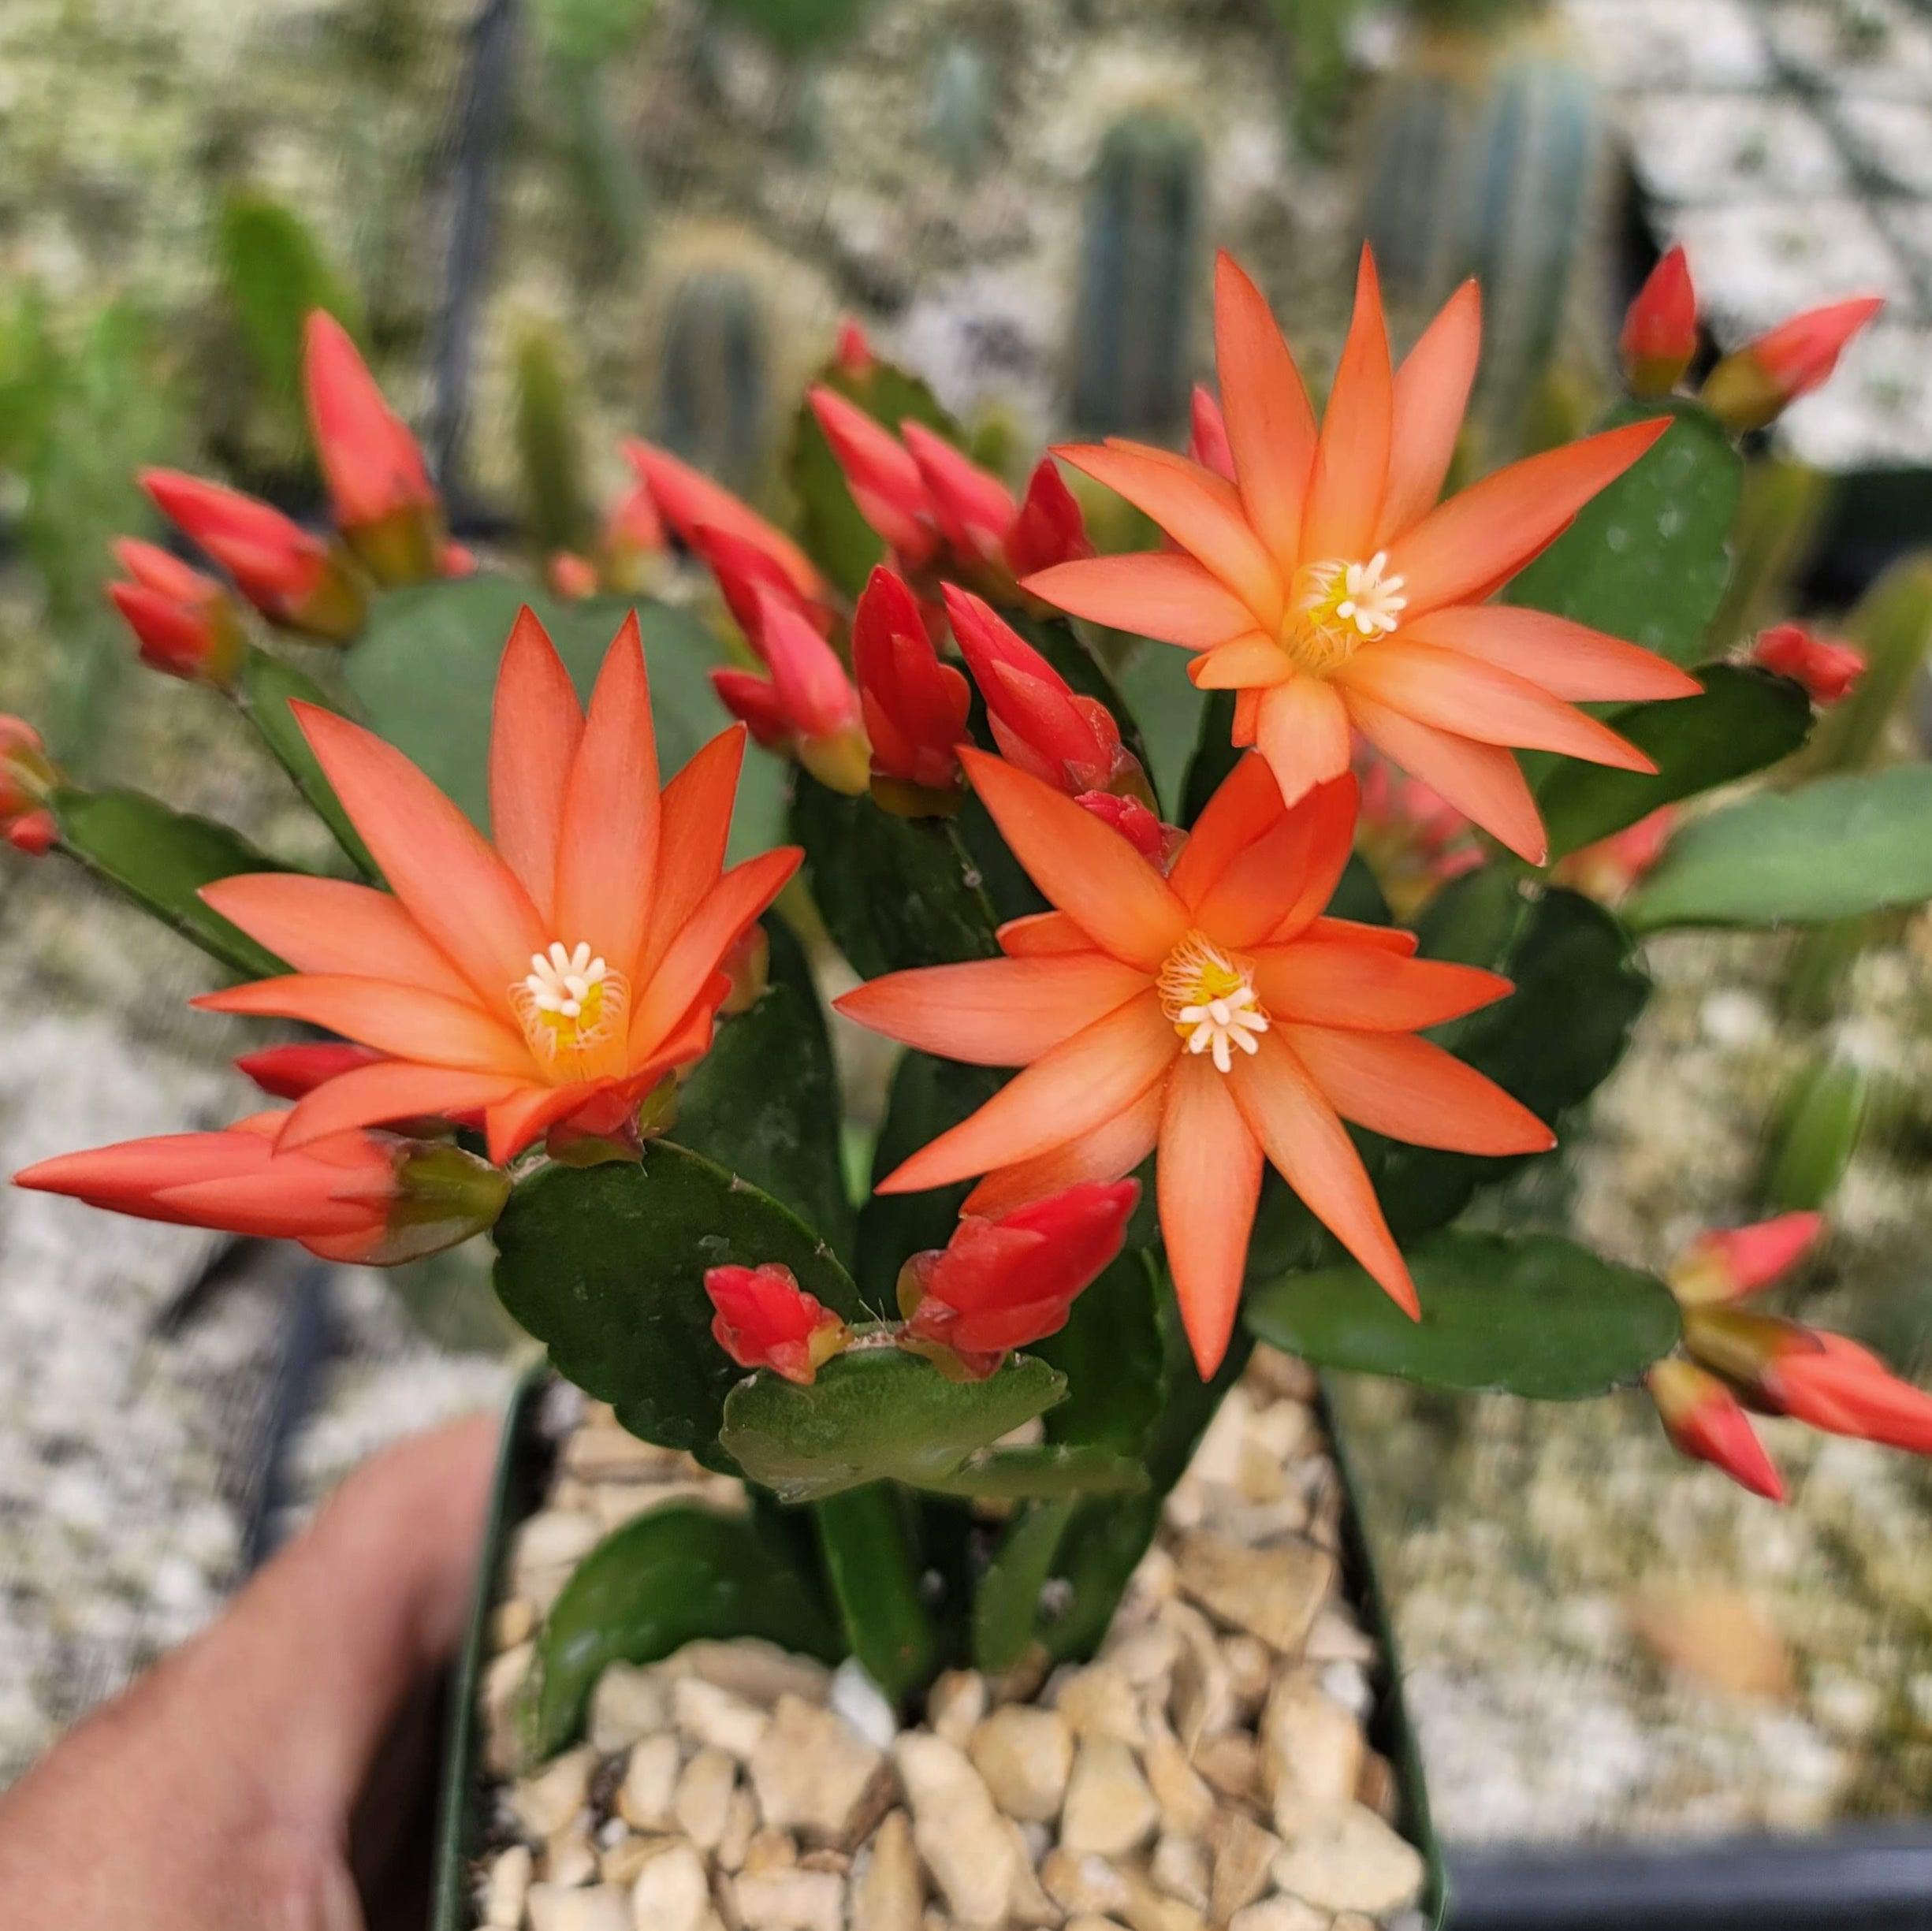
(328, 925)
(607, 859)
(1484, 534)
(1303, 732)
(1243, 663)
(1288, 872)
(1412, 1090)
(1202, 514)
(1454, 692)
(1004, 1012)
(1246, 803)
(1110, 1151)
(1334, 985)
(389, 1091)
(1397, 938)
(1151, 593)
(1040, 935)
(1432, 394)
(1569, 661)
(399, 1019)
(695, 831)
(1076, 1088)
(511, 1124)
(1312, 1150)
(1270, 427)
(468, 903)
(534, 728)
(1351, 471)
(1086, 868)
(1208, 1179)
(1331, 844)
(1483, 781)
(1247, 716)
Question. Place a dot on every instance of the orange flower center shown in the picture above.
(573, 1008)
(1335, 607)
(1209, 994)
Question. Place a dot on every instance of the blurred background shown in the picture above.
(554, 222)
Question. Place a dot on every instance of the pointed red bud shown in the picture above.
(881, 474)
(765, 1320)
(1730, 1263)
(745, 574)
(1829, 670)
(1002, 1282)
(1051, 527)
(34, 835)
(294, 579)
(185, 624)
(457, 560)
(915, 707)
(688, 500)
(384, 503)
(372, 1199)
(974, 510)
(570, 576)
(852, 352)
(27, 773)
(1208, 444)
(632, 533)
(1706, 1421)
(808, 702)
(1659, 334)
(1158, 843)
(292, 1071)
(1755, 385)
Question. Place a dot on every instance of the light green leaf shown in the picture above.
(266, 687)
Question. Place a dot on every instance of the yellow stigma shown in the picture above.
(572, 1006)
(1209, 996)
(1337, 607)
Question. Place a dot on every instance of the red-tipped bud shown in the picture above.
(1158, 843)
(688, 500)
(1660, 328)
(852, 351)
(915, 707)
(746, 575)
(1041, 724)
(1829, 670)
(1607, 870)
(294, 579)
(570, 574)
(634, 532)
(185, 624)
(1755, 386)
(1208, 443)
(293, 1071)
(974, 510)
(1050, 528)
(808, 702)
(373, 1198)
(765, 1320)
(28, 775)
(1786, 1368)
(1706, 1421)
(384, 504)
(1002, 1282)
(34, 835)
(881, 474)
(457, 560)
(1730, 1263)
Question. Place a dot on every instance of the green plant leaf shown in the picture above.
(1045, 1472)
(1006, 1604)
(1744, 720)
(874, 1570)
(1550, 1044)
(1820, 1120)
(273, 273)
(1531, 1315)
(894, 892)
(160, 858)
(673, 1574)
(877, 1414)
(425, 674)
(1833, 849)
(1646, 558)
(605, 1266)
(1114, 1356)
(764, 1102)
(263, 692)
(1168, 709)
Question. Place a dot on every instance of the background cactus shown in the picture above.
(714, 400)
(961, 124)
(557, 509)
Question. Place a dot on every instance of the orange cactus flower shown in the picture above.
(1327, 588)
(1212, 1016)
(555, 976)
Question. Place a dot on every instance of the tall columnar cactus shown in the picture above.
(549, 449)
(713, 404)
(962, 119)
(1133, 339)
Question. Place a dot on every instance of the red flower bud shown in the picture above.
(852, 353)
(34, 835)
(1050, 528)
(1607, 870)
(765, 1320)
(1001, 1282)
(384, 504)
(1158, 843)
(808, 703)
(372, 1199)
(1660, 328)
(1704, 1420)
(1730, 1263)
(184, 622)
(745, 574)
(457, 560)
(974, 510)
(570, 574)
(881, 474)
(633, 532)
(1829, 670)
(1208, 444)
(294, 579)
(1755, 385)
(27, 773)
(292, 1071)
(915, 707)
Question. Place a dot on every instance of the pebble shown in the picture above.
(574, 1908)
(959, 1833)
(1357, 1862)
(888, 1888)
(955, 1704)
(1274, 1594)
(702, 1802)
(790, 1900)
(650, 1782)
(812, 1773)
(505, 1886)
(672, 1892)
(1109, 1809)
(1279, 1914)
(544, 1803)
(707, 1715)
(627, 1705)
(1311, 1751)
(757, 1671)
(1024, 1754)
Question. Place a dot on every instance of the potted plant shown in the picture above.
(911, 1471)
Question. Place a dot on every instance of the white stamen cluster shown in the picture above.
(561, 982)
(1210, 998)
(1373, 603)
